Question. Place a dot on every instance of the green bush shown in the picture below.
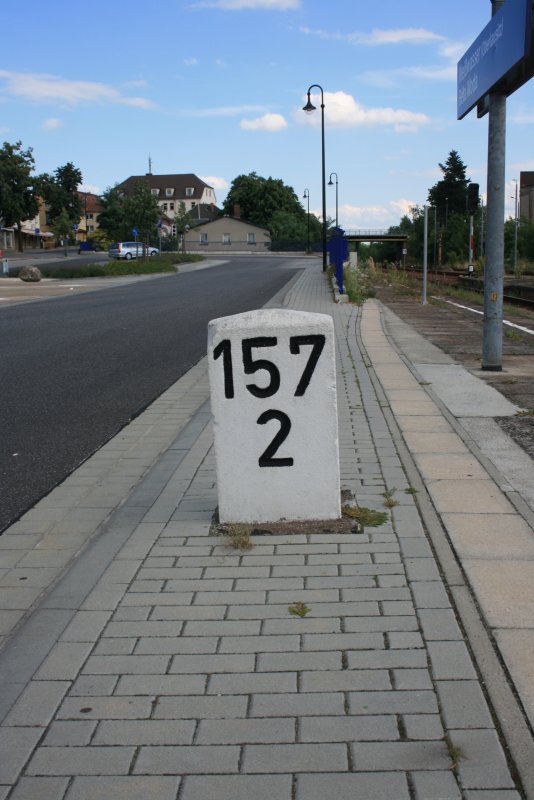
(166, 262)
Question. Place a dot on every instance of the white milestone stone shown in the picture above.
(274, 405)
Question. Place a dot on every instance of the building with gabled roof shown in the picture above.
(171, 190)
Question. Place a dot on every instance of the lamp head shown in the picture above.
(330, 182)
(309, 107)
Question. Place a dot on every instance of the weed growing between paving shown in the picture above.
(299, 609)
(365, 517)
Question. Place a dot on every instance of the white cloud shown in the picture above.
(222, 111)
(268, 122)
(51, 124)
(218, 183)
(91, 188)
(239, 5)
(343, 111)
(379, 36)
(374, 216)
(43, 88)
(190, 62)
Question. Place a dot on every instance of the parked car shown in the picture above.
(88, 247)
(130, 250)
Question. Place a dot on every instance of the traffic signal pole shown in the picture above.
(494, 261)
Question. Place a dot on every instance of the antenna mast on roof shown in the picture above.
(149, 165)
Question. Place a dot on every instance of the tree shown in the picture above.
(122, 213)
(17, 196)
(142, 210)
(260, 199)
(112, 218)
(60, 192)
(449, 195)
(62, 226)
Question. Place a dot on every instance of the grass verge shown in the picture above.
(166, 262)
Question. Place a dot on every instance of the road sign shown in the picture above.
(134, 232)
(273, 399)
(37, 231)
(497, 56)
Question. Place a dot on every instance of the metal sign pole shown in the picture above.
(425, 257)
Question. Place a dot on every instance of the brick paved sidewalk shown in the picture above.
(182, 675)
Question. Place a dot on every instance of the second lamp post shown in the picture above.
(331, 183)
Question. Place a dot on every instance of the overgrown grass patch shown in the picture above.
(165, 262)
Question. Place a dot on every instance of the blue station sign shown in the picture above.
(495, 55)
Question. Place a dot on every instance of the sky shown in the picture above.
(216, 88)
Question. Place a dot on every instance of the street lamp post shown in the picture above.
(330, 183)
(306, 195)
(308, 108)
(516, 223)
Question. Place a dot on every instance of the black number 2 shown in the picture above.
(266, 459)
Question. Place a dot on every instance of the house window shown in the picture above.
(226, 238)
(171, 206)
(189, 191)
(155, 192)
(203, 238)
(165, 208)
(90, 229)
(169, 192)
(193, 204)
(251, 238)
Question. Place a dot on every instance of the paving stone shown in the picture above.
(237, 787)
(435, 786)
(343, 641)
(423, 726)
(430, 594)
(94, 685)
(297, 705)
(37, 703)
(269, 758)
(483, 765)
(105, 708)
(288, 662)
(451, 660)
(463, 704)
(439, 624)
(70, 733)
(126, 665)
(345, 680)
(138, 787)
(343, 786)
(186, 760)
(386, 659)
(243, 731)
(184, 644)
(406, 756)
(81, 761)
(252, 683)
(138, 685)
(259, 644)
(16, 746)
(411, 679)
(393, 702)
(145, 732)
(348, 728)
(222, 628)
(300, 625)
(40, 789)
(198, 707)
(380, 623)
(114, 647)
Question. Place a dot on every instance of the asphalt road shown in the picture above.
(75, 370)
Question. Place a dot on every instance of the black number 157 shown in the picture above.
(252, 365)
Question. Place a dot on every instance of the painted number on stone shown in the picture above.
(253, 364)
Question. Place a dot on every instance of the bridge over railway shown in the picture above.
(374, 235)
